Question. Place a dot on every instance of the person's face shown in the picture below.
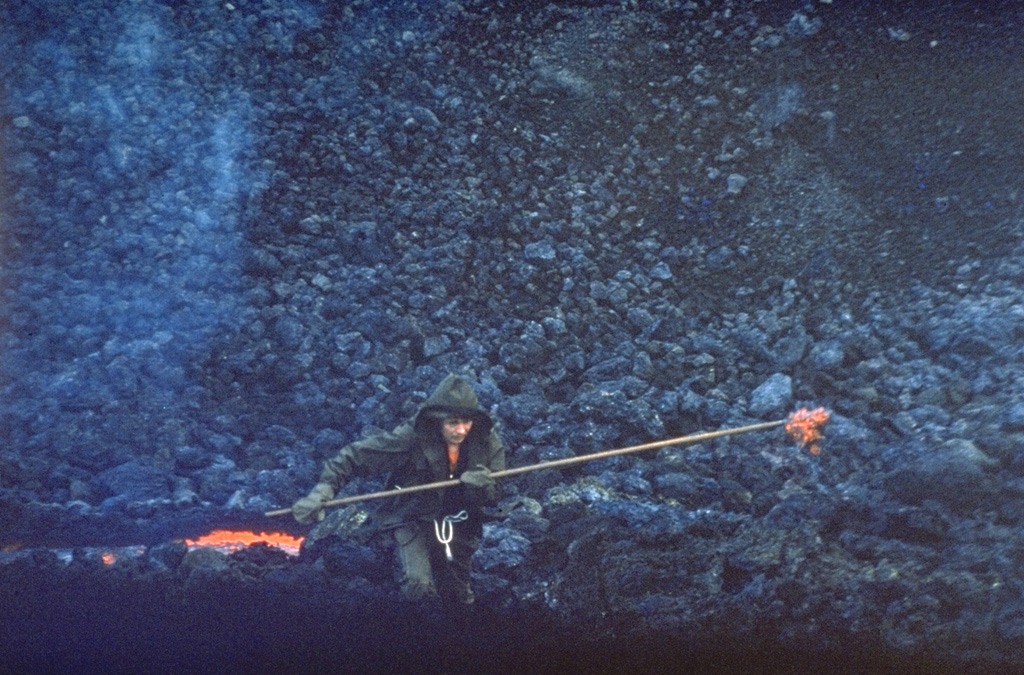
(455, 430)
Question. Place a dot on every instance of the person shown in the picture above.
(436, 532)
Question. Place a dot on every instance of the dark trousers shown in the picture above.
(424, 568)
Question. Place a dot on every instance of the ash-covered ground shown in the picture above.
(235, 236)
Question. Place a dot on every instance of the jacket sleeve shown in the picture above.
(495, 462)
(377, 454)
(495, 452)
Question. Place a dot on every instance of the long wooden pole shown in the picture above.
(554, 464)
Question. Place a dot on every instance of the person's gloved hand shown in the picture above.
(310, 509)
(485, 489)
(479, 477)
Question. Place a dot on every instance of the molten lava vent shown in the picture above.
(229, 541)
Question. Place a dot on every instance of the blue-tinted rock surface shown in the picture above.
(236, 236)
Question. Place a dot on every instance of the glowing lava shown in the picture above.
(226, 540)
(805, 427)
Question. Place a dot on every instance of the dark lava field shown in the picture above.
(237, 235)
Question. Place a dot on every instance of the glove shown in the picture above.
(310, 509)
(478, 477)
(483, 489)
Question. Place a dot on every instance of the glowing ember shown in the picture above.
(805, 427)
(229, 541)
(109, 558)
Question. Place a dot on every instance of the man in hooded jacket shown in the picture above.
(450, 436)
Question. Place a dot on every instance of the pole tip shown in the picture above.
(805, 426)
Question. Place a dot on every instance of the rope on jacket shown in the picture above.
(445, 530)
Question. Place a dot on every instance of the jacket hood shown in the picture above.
(454, 397)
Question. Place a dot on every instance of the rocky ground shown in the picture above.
(238, 235)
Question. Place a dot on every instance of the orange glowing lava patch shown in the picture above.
(805, 427)
(229, 541)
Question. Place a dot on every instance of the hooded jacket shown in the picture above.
(415, 453)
